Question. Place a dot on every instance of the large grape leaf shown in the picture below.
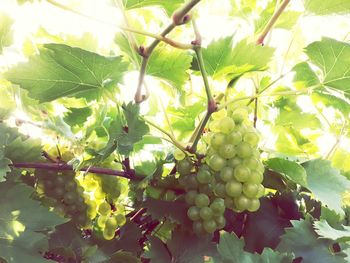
(324, 230)
(169, 6)
(333, 58)
(302, 240)
(326, 183)
(326, 7)
(6, 35)
(231, 249)
(289, 169)
(61, 70)
(304, 75)
(20, 220)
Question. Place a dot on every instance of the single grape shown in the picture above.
(104, 208)
(234, 137)
(49, 184)
(261, 191)
(169, 196)
(209, 226)
(252, 163)
(184, 167)
(220, 222)
(242, 202)
(227, 151)
(108, 234)
(70, 185)
(241, 173)
(204, 176)
(255, 177)
(233, 188)
(101, 221)
(111, 223)
(217, 140)
(250, 190)
(252, 138)
(190, 197)
(218, 207)
(202, 200)
(58, 192)
(216, 162)
(233, 162)
(179, 155)
(219, 114)
(59, 181)
(254, 205)
(121, 220)
(99, 195)
(191, 182)
(226, 174)
(70, 197)
(227, 125)
(219, 190)
(206, 213)
(239, 115)
(243, 150)
(193, 213)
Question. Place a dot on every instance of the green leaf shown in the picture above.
(4, 168)
(170, 65)
(324, 230)
(333, 58)
(329, 100)
(304, 75)
(290, 170)
(123, 257)
(157, 252)
(327, 7)
(61, 70)
(6, 35)
(326, 183)
(77, 116)
(303, 242)
(169, 6)
(21, 220)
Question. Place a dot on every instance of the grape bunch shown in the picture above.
(231, 176)
(65, 194)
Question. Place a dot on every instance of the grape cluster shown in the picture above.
(65, 194)
(231, 176)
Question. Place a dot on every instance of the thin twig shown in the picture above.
(272, 21)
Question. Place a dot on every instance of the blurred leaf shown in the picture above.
(326, 183)
(324, 230)
(6, 35)
(302, 240)
(304, 75)
(330, 100)
(333, 58)
(77, 116)
(290, 170)
(322, 7)
(123, 257)
(22, 219)
(157, 252)
(61, 70)
(169, 6)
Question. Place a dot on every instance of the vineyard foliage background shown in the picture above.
(97, 105)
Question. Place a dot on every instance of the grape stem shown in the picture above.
(272, 22)
(66, 167)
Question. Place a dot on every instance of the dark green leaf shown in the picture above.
(61, 71)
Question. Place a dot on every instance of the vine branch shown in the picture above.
(272, 22)
(66, 167)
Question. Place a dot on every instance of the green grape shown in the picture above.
(179, 155)
(169, 196)
(70, 197)
(206, 213)
(121, 220)
(233, 188)
(254, 205)
(216, 162)
(242, 202)
(104, 208)
(101, 221)
(220, 222)
(227, 125)
(108, 234)
(209, 226)
(202, 200)
(204, 176)
(244, 150)
(90, 184)
(241, 173)
(184, 167)
(234, 137)
(206, 189)
(261, 191)
(255, 177)
(233, 162)
(193, 213)
(227, 151)
(250, 190)
(70, 185)
(217, 140)
(217, 115)
(239, 115)
(226, 174)
(191, 182)
(111, 223)
(229, 202)
(214, 126)
(190, 197)
(218, 206)
(99, 195)
(252, 138)
(59, 181)
(58, 192)
(198, 227)
(252, 163)
(219, 190)
(119, 208)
